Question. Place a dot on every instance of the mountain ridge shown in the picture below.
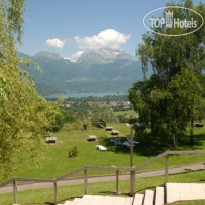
(94, 71)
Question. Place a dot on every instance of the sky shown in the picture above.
(71, 27)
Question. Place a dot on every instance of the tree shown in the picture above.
(187, 97)
(173, 95)
(101, 112)
(24, 114)
(169, 55)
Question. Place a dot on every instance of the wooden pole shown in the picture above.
(85, 181)
(132, 173)
(15, 191)
(117, 181)
(132, 183)
(166, 168)
(55, 193)
(131, 145)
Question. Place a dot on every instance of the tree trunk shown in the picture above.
(192, 132)
(175, 141)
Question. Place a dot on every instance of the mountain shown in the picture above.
(104, 56)
(103, 70)
(48, 55)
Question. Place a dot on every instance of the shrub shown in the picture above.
(73, 152)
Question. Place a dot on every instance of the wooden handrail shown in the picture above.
(187, 152)
(109, 168)
(151, 160)
(5, 183)
(86, 168)
(33, 179)
(166, 154)
(70, 174)
(104, 168)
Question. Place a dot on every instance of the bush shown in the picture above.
(76, 126)
(123, 118)
(73, 152)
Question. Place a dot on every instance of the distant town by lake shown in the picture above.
(81, 95)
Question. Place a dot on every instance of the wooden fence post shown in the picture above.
(55, 193)
(85, 181)
(117, 182)
(166, 168)
(15, 191)
(132, 182)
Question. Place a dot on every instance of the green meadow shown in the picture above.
(57, 163)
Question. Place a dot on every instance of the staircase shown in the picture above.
(172, 192)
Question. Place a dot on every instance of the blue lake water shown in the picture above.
(81, 95)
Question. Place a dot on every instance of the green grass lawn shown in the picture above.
(56, 162)
(201, 202)
(45, 196)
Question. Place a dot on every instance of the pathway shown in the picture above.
(104, 178)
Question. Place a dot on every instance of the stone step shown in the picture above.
(149, 197)
(159, 196)
(100, 200)
(95, 197)
(138, 199)
(185, 191)
(69, 203)
(77, 199)
(174, 192)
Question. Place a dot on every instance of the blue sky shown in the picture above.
(70, 26)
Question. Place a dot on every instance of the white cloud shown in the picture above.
(108, 38)
(55, 42)
(75, 56)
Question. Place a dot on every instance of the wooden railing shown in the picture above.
(85, 169)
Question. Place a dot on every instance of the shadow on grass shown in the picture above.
(47, 203)
(148, 187)
(112, 193)
(66, 199)
(146, 147)
(152, 146)
(197, 142)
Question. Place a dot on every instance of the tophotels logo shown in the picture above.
(168, 24)
(171, 22)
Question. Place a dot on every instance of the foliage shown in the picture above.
(101, 112)
(169, 55)
(126, 116)
(73, 152)
(77, 125)
(24, 114)
(65, 117)
(173, 97)
(123, 119)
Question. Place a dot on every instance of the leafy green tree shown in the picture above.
(173, 96)
(101, 112)
(187, 99)
(24, 114)
(169, 55)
